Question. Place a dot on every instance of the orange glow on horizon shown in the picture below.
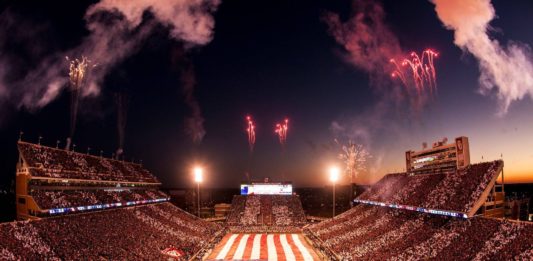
(517, 177)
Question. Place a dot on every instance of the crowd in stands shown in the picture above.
(266, 210)
(365, 232)
(368, 232)
(375, 233)
(259, 210)
(48, 199)
(454, 191)
(295, 207)
(207, 248)
(474, 180)
(251, 210)
(57, 163)
(134, 233)
(284, 212)
(237, 209)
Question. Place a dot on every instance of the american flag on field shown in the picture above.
(263, 247)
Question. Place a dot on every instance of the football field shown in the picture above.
(263, 247)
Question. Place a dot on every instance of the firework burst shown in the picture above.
(417, 71)
(251, 132)
(281, 130)
(78, 71)
(354, 157)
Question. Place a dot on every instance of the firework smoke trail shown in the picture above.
(121, 101)
(194, 124)
(281, 130)
(78, 72)
(421, 70)
(251, 132)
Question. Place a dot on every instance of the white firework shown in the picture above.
(354, 157)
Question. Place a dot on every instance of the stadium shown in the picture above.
(266, 130)
(79, 206)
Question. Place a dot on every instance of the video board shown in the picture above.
(266, 189)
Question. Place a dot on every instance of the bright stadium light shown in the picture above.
(333, 177)
(198, 178)
(198, 174)
(334, 174)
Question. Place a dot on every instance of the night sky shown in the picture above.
(270, 59)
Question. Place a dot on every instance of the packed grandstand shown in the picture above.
(53, 181)
(115, 210)
(266, 210)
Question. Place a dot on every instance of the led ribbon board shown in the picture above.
(412, 208)
(104, 206)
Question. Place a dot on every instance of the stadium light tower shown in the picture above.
(198, 178)
(333, 177)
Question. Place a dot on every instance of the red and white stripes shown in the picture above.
(263, 246)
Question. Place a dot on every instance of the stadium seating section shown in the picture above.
(57, 163)
(48, 199)
(454, 191)
(271, 210)
(136, 233)
(374, 233)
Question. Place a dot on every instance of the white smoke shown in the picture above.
(190, 20)
(116, 30)
(506, 69)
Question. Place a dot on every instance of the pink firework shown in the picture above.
(417, 71)
(281, 130)
(251, 132)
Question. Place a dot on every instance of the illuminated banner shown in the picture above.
(412, 208)
(104, 206)
(266, 189)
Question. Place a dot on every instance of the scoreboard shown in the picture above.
(441, 157)
(266, 189)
